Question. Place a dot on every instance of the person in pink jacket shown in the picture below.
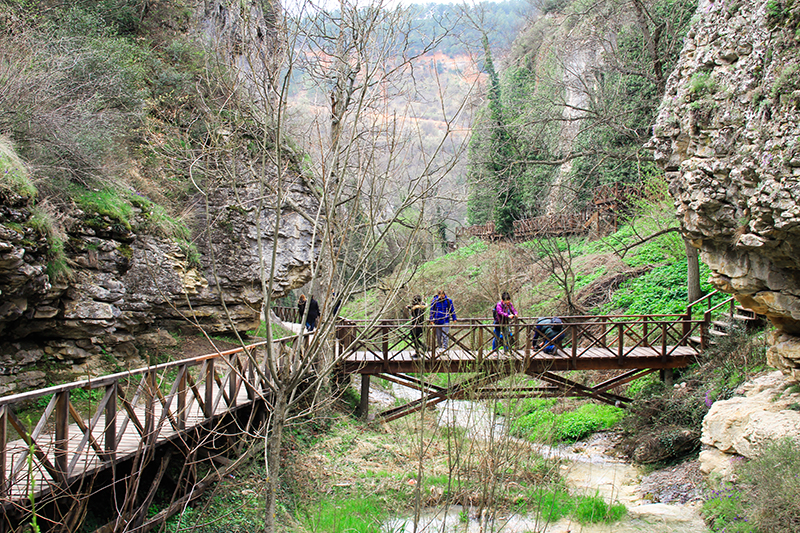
(504, 313)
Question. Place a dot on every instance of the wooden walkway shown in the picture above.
(53, 447)
(631, 345)
(50, 444)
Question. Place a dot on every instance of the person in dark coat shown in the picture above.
(417, 314)
(313, 311)
(549, 332)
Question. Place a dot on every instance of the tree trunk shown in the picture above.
(692, 272)
(273, 458)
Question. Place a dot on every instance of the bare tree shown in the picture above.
(351, 166)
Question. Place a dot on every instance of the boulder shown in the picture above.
(768, 410)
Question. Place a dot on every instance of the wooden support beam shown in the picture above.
(62, 433)
(363, 404)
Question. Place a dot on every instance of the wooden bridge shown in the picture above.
(629, 346)
(56, 452)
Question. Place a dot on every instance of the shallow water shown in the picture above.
(587, 470)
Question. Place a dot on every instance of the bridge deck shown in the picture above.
(365, 362)
(87, 459)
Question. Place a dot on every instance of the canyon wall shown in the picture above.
(124, 281)
(728, 135)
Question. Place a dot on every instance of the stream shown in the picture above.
(586, 470)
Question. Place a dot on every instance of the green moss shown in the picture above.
(107, 202)
(788, 80)
(125, 250)
(702, 83)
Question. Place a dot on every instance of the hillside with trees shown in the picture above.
(572, 107)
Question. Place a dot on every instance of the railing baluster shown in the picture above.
(62, 432)
(3, 425)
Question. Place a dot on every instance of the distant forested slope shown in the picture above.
(572, 107)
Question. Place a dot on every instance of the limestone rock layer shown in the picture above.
(728, 134)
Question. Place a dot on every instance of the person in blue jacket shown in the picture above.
(442, 312)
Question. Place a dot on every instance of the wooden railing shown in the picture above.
(582, 336)
(711, 310)
(134, 410)
(560, 224)
(286, 314)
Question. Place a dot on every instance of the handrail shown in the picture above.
(93, 383)
(729, 300)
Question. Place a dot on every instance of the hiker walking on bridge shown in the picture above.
(313, 311)
(504, 313)
(442, 311)
(417, 314)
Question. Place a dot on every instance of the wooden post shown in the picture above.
(645, 340)
(385, 340)
(479, 358)
(686, 326)
(528, 341)
(110, 433)
(62, 432)
(150, 406)
(620, 342)
(574, 346)
(208, 410)
(664, 342)
(3, 425)
(182, 397)
(603, 333)
(363, 404)
(233, 378)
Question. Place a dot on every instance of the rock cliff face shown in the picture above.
(727, 134)
(125, 283)
(128, 282)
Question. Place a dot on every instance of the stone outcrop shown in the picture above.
(728, 134)
(768, 409)
(124, 283)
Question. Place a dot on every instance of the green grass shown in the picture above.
(351, 514)
(551, 503)
(107, 202)
(542, 425)
(13, 174)
(663, 290)
(278, 331)
(593, 509)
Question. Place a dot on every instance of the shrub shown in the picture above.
(13, 174)
(725, 511)
(42, 222)
(772, 487)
